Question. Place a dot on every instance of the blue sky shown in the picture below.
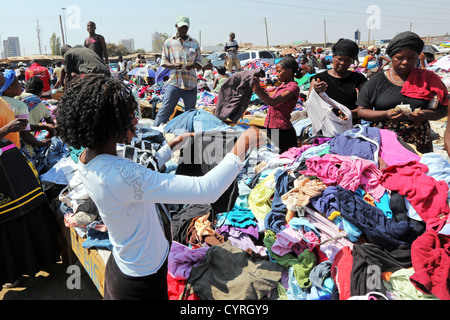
(287, 21)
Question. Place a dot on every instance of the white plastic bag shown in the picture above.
(320, 111)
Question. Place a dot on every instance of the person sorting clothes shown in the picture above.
(340, 83)
(405, 98)
(281, 104)
(98, 112)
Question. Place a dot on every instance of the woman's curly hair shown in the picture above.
(93, 110)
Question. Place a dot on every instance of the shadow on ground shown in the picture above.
(50, 284)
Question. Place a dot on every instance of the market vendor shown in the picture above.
(405, 98)
(125, 192)
(340, 83)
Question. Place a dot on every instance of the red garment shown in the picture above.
(279, 116)
(176, 287)
(341, 271)
(425, 84)
(430, 256)
(427, 195)
(36, 70)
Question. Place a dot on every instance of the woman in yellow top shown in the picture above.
(372, 61)
(9, 125)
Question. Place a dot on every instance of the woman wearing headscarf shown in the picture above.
(340, 83)
(405, 98)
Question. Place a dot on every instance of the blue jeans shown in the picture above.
(170, 100)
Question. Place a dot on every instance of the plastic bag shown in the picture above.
(320, 110)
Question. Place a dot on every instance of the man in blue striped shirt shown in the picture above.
(182, 55)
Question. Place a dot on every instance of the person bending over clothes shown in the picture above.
(281, 104)
(97, 113)
(404, 98)
(340, 83)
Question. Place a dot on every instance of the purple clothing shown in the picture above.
(182, 259)
(279, 116)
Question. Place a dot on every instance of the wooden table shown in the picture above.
(92, 260)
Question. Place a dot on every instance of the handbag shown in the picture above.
(20, 187)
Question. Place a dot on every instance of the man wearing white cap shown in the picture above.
(182, 55)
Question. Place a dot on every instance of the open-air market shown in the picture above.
(245, 171)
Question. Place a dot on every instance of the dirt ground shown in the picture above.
(50, 284)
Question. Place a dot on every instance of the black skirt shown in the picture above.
(283, 138)
(119, 286)
(28, 244)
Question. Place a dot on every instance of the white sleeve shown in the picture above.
(163, 155)
(135, 183)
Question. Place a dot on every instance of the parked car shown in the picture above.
(217, 58)
(264, 55)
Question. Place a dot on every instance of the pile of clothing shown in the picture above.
(354, 217)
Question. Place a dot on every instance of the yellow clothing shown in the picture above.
(6, 116)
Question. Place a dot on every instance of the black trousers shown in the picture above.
(119, 286)
(283, 139)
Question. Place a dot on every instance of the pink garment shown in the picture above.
(279, 116)
(288, 241)
(348, 172)
(392, 152)
(292, 153)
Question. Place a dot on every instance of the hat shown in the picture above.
(405, 40)
(372, 48)
(183, 21)
(345, 47)
(9, 75)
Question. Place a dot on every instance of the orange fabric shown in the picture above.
(6, 116)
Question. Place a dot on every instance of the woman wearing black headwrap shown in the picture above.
(385, 97)
(339, 83)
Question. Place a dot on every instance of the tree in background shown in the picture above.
(158, 40)
(115, 50)
(55, 44)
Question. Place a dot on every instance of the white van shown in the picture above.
(264, 55)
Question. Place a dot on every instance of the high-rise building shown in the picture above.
(11, 47)
(127, 43)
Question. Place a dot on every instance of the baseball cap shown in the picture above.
(183, 21)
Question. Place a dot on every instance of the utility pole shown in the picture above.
(62, 30)
(39, 33)
(267, 35)
(324, 33)
(64, 16)
(410, 27)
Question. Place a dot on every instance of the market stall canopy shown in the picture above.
(289, 51)
(39, 57)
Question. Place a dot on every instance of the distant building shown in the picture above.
(11, 47)
(127, 43)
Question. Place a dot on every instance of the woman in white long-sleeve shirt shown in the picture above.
(96, 113)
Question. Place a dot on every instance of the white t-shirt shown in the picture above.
(126, 192)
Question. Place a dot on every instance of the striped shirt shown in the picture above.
(176, 52)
